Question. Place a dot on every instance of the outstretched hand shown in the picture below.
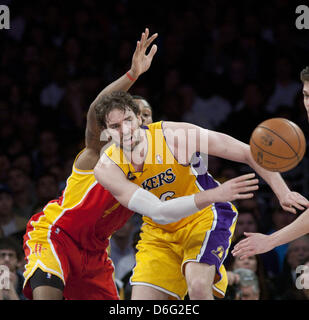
(241, 187)
(140, 60)
(255, 243)
(292, 201)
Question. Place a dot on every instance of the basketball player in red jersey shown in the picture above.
(257, 243)
(65, 244)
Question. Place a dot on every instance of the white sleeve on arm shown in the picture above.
(162, 212)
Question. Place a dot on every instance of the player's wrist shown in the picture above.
(273, 240)
(132, 75)
(204, 199)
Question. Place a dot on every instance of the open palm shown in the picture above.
(140, 60)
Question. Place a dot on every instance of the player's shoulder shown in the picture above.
(86, 160)
(173, 126)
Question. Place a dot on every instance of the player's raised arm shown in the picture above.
(144, 202)
(140, 64)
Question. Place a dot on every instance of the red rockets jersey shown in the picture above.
(87, 212)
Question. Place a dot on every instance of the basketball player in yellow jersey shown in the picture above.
(258, 243)
(186, 255)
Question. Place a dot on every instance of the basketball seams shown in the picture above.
(292, 164)
(296, 131)
(274, 132)
(290, 145)
(274, 155)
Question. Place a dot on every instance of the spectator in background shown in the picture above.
(10, 256)
(250, 109)
(46, 189)
(286, 88)
(251, 205)
(285, 282)
(173, 107)
(23, 162)
(246, 222)
(47, 153)
(215, 166)
(27, 124)
(235, 81)
(122, 252)
(52, 94)
(10, 222)
(302, 280)
(248, 286)
(208, 113)
(23, 192)
(4, 168)
(59, 173)
(255, 264)
(280, 219)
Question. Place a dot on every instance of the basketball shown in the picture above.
(277, 144)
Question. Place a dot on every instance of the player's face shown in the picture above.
(306, 96)
(248, 293)
(123, 127)
(146, 113)
(245, 223)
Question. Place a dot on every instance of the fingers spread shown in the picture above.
(298, 206)
(148, 42)
(289, 209)
(152, 51)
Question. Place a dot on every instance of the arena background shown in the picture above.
(224, 65)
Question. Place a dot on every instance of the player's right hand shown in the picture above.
(237, 188)
(255, 243)
(140, 61)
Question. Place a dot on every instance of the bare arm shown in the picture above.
(257, 243)
(230, 148)
(296, 229)
(111, 177)
(224, 146)
(140, 64)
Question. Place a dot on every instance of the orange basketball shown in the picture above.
(277, 144)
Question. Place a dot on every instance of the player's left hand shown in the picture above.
(292, 201)
(140, 60)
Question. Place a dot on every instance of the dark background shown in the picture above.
(58, 55)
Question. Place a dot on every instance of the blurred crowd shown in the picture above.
(222, 66)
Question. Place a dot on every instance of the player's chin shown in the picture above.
(128, 145)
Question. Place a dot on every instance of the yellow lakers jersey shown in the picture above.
(163, 175)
